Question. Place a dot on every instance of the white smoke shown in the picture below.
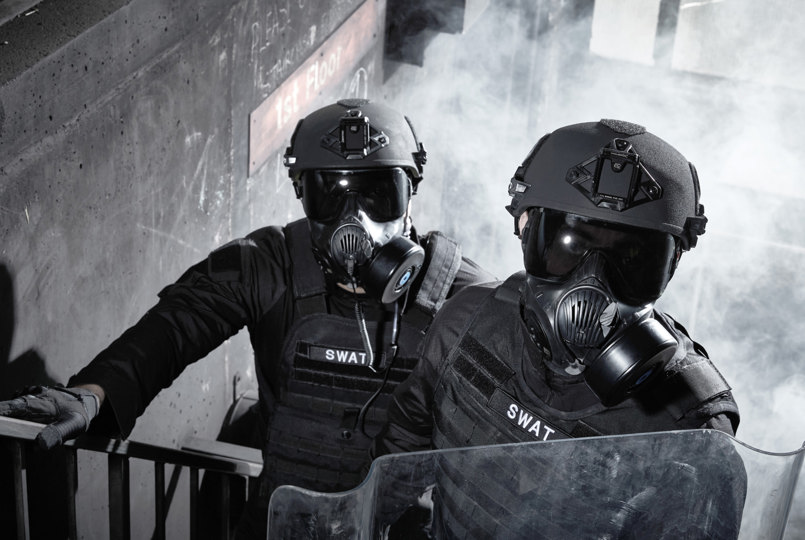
(722, 84)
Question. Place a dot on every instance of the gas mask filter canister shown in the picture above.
(393, 268)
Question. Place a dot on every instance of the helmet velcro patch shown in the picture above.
(623, 127)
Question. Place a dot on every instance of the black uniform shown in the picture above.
(482, 380)
(311, 364)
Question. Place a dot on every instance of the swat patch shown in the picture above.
(334, 355)
(519, 416)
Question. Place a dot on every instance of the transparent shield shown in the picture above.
(681, 484)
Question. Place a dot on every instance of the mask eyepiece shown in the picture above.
(382, 193)
(640, 262)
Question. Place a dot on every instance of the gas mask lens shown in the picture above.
(382, 193)
(639, 261)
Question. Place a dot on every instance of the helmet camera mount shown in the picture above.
(615, 178)
(354, 137)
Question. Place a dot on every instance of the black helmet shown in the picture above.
(612, 171)
(354, 134)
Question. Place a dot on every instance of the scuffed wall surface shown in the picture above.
(123, 160)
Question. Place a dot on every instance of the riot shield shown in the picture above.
(671, 485)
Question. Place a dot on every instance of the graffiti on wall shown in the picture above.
(334, 63)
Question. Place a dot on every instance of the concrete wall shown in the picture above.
(125, 157)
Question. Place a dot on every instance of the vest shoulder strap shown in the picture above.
(509, 291)
(444, 260)
(693, 379)
(309, 287)
(692, 384)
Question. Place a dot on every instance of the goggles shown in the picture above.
(640, 262)
(383, 193)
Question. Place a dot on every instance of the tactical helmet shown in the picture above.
(354, 134)
(612, 171)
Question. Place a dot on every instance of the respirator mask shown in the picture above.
(589, 293)
(358, 228)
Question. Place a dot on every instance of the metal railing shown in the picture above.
(229, 461)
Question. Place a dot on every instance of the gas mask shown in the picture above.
(589, 293)
(359, 231)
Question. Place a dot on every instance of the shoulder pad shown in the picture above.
(510, 290)
(442, 260)
(691, 378)
(682, 330)
(226, 262)
(309, 284)
(264, 233)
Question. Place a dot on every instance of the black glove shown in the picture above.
(68, 411)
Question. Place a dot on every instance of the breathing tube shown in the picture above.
(390, 354)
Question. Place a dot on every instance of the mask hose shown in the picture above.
(359, 317)
(361, 420)
(367, 345)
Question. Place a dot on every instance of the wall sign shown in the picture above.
(272, 122)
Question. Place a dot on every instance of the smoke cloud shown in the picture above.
(717, 80)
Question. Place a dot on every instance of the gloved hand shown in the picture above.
(67, 411)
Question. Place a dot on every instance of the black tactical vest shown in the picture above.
(483, 398)
(315, 388)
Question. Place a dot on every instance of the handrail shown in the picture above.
(209, 460)
(223, 458)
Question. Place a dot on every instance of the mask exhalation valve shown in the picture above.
(350, 247)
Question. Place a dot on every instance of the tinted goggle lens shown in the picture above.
(640, 261)
(383, 193)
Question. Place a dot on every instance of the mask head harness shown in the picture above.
(601, 243)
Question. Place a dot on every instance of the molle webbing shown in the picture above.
(487, 374)
(313, 454)
(474, 362)
(479, 367)
(309, 287)
(315, 439)
(332, 390)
